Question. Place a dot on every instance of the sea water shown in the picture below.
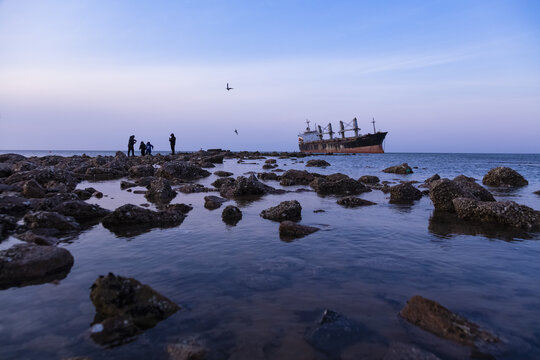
(246, 294)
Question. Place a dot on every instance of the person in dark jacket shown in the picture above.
(142, 147)
(149, 148)
(131, 145)
(172, 140)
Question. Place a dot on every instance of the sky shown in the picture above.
(439, 76)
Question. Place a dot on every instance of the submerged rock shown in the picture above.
(44, 238)
(443, 191)
(26, 264)
(404, 194)
(506, 213)
(292, 230)
(504, 176)
(286, 210)
(317, 163)
(403, 169)
(49, 219)
(213, 202)
(125, 307)
(352, 202)
(231, 215)
(338, 184)
(435, 318)
(160, 191)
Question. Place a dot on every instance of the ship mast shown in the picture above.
(373, 122)
(307, 129)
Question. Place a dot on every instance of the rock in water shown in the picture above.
(504, 176)
(338, 184)
(268, 176)
(292, 230)
(160, 191)
(404, 194)
(244, 187)
(317, 163)
(435, 318)
(403, 169)
(125, 307)
(506, 213)
(286, 210)
(443, 191)
(213, 202)
(53, 220)
(352, 202)
(25, 264)
(181, 170)
(81, 211)
(222, 173)
(231, 215)
(141, 171)
(369, 179)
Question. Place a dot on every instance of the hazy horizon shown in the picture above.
(440, 77)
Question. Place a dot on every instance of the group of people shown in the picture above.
(146, 149)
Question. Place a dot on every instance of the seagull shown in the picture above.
(229, 88)
(236, 131)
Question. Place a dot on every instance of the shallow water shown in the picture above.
(247, 294)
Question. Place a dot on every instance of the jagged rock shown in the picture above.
(213, 202)
(338, 184)
(435, 318)
(286, 210)
(160, 191)
(126, 184)
(352, 202)
(48, 219)
(292, 230)
(317, 163)
(49, 203)
(432, 179)
(506, 213)
(297, 177)
(181, 170)
(49, 177)
(25, 264)
(231, 215)
(222, 173)
(186, 352)
(14, 205)
(81, 211)
(141, 171)
(243, 186)
(23, 166)
(443, 191)
(369, 179)
(403, 169)
(222, 181)
(125, 307)
(404, 194)
(268, 176)
(193, 188)
(504, 176)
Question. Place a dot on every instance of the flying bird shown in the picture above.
(236, 131)
(229, 88)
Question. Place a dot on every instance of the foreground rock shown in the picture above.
(286, 210)
(297, 177)
(174, 170)
(49, 219)
(443, 191)
(160, 191)
(81, 211)
(504, 176)
(26, 264)
(338, 184)
(317, 163)
(131, 219)
(402, 169)
(352, 202)
(231, 215)
(213, 202)
(404, 194)
(435, 318)
(244, 187)
(292, 230)
(125, 307)
(506, 213)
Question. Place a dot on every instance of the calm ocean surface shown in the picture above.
(248, 295)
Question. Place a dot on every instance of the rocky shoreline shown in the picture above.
(41, 205)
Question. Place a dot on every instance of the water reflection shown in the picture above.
(448, 224)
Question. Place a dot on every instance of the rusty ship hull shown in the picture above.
(369, 144)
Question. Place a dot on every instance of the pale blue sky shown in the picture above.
(440, 76)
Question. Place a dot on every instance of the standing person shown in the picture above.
(131, 145)
(142, 147)
(172, 140)
(149, 148)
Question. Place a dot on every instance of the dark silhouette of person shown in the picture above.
(172, 140)
(142, 147)
(149, 148)
(131, 145)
